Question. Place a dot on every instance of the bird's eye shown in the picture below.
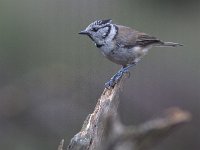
(95, 29)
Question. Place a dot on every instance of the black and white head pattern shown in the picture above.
(99, 30)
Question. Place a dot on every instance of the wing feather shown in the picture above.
(128, 37)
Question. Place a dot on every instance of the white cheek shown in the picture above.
(103, 32)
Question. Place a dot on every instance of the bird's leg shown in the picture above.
(115, 79)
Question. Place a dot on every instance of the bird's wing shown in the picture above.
(147, 40)
(128, 37)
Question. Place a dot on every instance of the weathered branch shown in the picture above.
(145, 135)
(102, 129)
(90, 136)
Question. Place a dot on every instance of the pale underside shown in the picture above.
(124, 56)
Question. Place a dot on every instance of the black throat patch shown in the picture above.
(99, 45)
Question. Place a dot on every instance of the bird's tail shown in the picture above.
(168, 44)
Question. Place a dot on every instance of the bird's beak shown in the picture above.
(84, 32)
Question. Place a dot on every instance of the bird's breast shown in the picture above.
(107, 48)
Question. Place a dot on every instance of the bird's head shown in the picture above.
(98, 31)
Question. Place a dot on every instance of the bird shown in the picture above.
(122, 45)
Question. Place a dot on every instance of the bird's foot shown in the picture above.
(116, 78)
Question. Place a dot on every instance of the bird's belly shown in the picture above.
(124, 56)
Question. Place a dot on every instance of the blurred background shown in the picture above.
(51, 77)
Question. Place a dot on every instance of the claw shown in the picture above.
(116, 78)
(109, 84)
